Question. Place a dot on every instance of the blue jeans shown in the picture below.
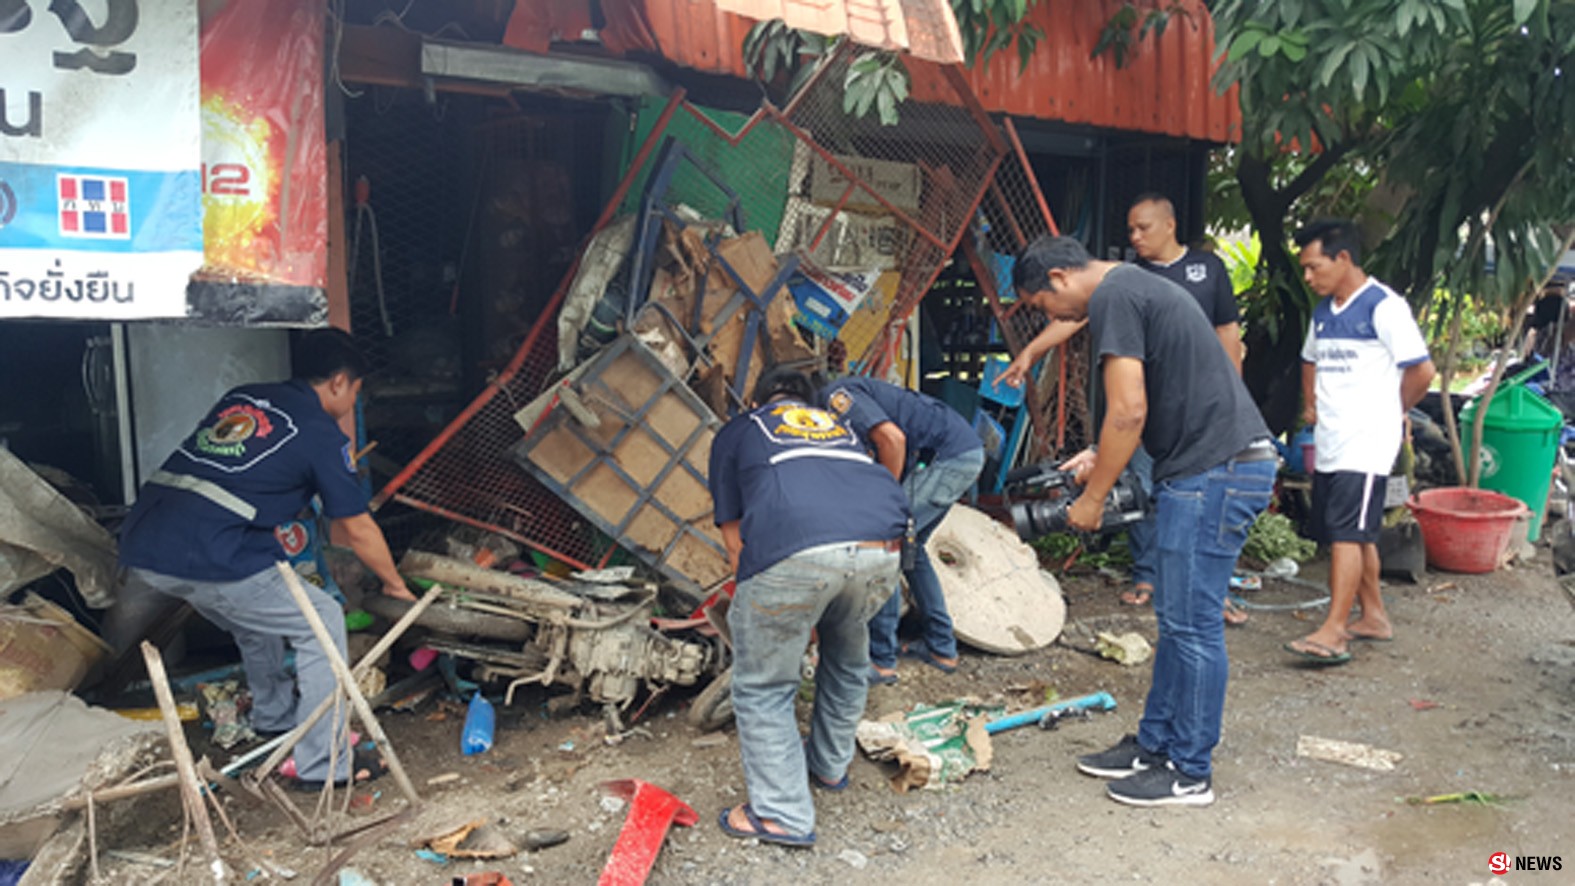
(932, 490)
(1140, 535)
(832, 589)
(1203, 521)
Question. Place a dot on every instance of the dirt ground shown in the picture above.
(1495, 654)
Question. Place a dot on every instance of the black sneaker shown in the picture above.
(1161, 786)
(1126, 758)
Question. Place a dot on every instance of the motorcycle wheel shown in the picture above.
(713, 707)
(455, 621)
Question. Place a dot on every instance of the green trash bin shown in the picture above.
(1520, 444)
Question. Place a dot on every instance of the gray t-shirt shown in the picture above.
(1199, 412)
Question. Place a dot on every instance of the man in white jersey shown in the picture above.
(1364, 366)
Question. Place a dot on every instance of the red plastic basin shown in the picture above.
(1466, 530)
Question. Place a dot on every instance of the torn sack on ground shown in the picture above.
(932, 745)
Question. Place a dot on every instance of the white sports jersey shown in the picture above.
(1360, 350)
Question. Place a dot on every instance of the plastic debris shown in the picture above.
(429, 855)
(1129, 649)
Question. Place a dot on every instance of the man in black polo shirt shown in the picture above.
(1170, 388)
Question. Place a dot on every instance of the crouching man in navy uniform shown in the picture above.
(1172, 389)
(202, 531)
(936, 456)
(813, 528)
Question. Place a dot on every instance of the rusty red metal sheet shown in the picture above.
(1165, 89)
(926, 28)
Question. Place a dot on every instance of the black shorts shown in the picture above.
(1347, 506)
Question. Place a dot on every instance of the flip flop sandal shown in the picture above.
(1135, 596)
(1368, 638)
(833, 787)
(815, 781)
(1328, 657)
(757, 830)
(1234, 608)
(918, 650)
(363, 760)
(876, 678)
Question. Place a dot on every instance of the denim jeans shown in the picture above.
(834, 590)
(932, 490)
(1140, 535)
(1202, 520)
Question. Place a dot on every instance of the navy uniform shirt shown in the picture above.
(934, 430)
(1205, 278)
(797, 478)
(1199, 412)
(253, 463)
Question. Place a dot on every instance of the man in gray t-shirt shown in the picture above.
(1172, 389)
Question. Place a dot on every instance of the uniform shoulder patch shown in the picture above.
(840, 401)
(349, 458)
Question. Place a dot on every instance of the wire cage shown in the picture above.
(823, 188)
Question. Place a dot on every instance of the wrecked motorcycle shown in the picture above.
(597, 638)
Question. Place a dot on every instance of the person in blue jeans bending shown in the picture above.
(1170, 388)
(937, 456)
(813, 528)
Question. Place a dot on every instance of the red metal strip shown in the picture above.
(1033, 181)
(489, 527)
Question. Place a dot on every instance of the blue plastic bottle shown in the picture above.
(477, 738)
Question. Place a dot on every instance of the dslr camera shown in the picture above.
(1054, 491)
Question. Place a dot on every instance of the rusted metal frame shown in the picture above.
(1033, 181)
(732, 138)
(548, 314)
(841, 167)
(825, 226)
(884, 358)
(457, 517)
(814, 79)
(675, 457)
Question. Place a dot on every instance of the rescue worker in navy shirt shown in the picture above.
(813, 528)
(936, 456)
(202, 530)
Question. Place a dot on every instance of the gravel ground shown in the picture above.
(1494, 655)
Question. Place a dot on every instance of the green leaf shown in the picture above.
(1269, 45)
(888, 106)
(1332, 61)
(1294, 53)
(1244, 43)
(1358, 74)
(1522, 10)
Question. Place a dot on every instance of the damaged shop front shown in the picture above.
(567, 265)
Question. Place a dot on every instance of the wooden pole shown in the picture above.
(347, 682)
(286, 743)
(190, 787)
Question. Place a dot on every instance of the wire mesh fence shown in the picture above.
(826, 190)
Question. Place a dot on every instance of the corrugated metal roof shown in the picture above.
(1164, 88)
(926, 28)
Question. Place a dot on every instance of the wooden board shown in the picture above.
(999, 600)
(637, 470)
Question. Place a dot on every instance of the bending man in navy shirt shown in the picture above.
(1170, 388)
(202, 531)
(936, 456)
(813, 528)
